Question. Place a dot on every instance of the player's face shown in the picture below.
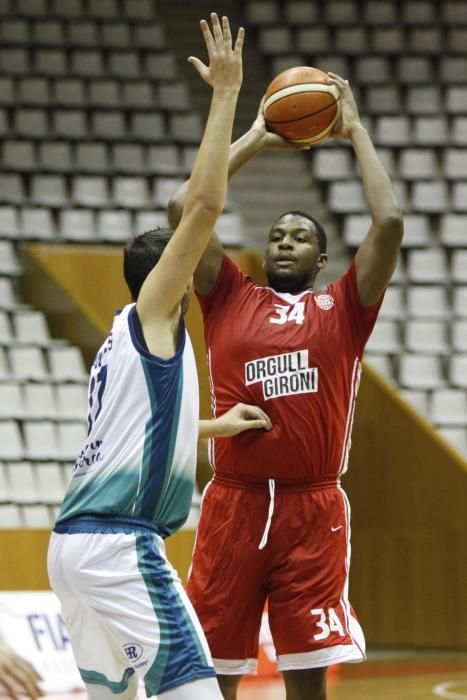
(292, 259)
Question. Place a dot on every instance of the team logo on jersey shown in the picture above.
(324, 301)
(283, 375)
(133, 651)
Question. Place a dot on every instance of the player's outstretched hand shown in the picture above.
(240, 418)
(268, 138)
(350, 116)
(224, 71)
(17, 675)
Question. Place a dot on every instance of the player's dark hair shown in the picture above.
(320, 232)
(141, 254)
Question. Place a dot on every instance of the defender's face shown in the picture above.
(292, 258)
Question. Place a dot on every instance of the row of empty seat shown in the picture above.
(129, 10)
(101, 125)
(372, 13)
(42, 439)
(52, 364)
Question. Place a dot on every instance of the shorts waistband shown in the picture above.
(104, 524)
(237, 482)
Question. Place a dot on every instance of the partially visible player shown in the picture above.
(123, 604)
(17, 675)
(275, 521)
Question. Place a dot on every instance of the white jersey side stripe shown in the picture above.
(211, 448)
(350, 415)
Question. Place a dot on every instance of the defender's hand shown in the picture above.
(240, 418)
(350, 117)
(224, 71)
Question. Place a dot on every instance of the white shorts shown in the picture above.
(124, 607)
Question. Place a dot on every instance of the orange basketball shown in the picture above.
(301, 106)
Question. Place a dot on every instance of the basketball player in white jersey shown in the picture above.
(123, 604)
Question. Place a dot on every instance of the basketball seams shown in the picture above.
(300, 88)
(331, 105)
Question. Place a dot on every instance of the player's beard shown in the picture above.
(288, 281)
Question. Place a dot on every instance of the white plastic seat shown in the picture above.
(19, 155)
(381, 364)
(332, 164)
(339, 12)
(430, 196)
(456, 437)
(459, 196)
(11, 401)
(114, 225)
(300, 12)
(383, 99)
(37, 517)
(417, 231)
(72, 401)
(6, 330)
(352, 41)
(5, 372)
(71, 439)
(90, 191)
(372, 70)
(23, 487)
(40, 439)
(459, 266)
(11, 442)
(424, 99)
(393, 306)
(449, 407)
(393, 131)
(316, 36)
(27, 363)
(69, 92)
(77, 225)
(10, 517)
(414, 70)
(229, 228)
(128, 158)
(55, 156)
(150, 35)
(385, 338)
(31, 328)
(388, 40)
(275, 40)
(453, 228)
(130, 192)
(50, 483)
(124, 64)
(163, 159)
(7, 294)
(87, 63)
(161, 66)
(92, 158)
(418, 399)
(418, 163)
(139, 94)
(427, 41)
(459, 130)
(426, 337)
(164, 188)
(37, 223)
(105, 93)
(49, 190)
(174, 96)
(458, 370)
(459, 304)
(452, 69)
(422, 12)
(455, 163)
(418, 371)
(9, 263)
(431, 130)
(70, 124)
(108, 126)
(356, 227)
(138, 9)
(186, 128)
(66, 364)
(31, 123)
(456, 99)
(148, 220)
(39, 401)
(12, 188)
(459, 335)
(147, 127)
(429, 302)
(346, 197)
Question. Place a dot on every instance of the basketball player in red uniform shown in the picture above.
(275, 521)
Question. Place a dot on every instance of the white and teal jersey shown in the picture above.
(140, 454)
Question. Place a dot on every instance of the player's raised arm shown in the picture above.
(165, 286)
(376, 257)
(244, 149)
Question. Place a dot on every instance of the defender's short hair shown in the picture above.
(141, 254)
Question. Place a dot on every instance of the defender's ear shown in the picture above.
(322, 261)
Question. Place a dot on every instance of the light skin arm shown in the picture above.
(377, 255)
(158, 303)
(17, 675)
(236, 420)
(244, 149)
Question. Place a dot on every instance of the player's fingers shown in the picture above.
(257, 413)
(199, 65)
(208, 38)
(226, 31)
(258, 424)
(216, 28)
(239, 41)
(9, 688)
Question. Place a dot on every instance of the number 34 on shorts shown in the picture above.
(327, 622)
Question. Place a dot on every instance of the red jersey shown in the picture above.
(298, 357)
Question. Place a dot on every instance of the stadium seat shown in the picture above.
(426, 336)
(393, 131)
(381, 364)
(30, 328)
(275, 40)
(453, 12)
(341, 12)
(452, 69)
(455, 163)
(139, 94)
(431, 130)
(414, 70)
(458, 370)
(11, 401)
(449, 407)
(149, 35)
(424, 99)
(332, 164)
(92, 158)
(50, 62)
(427, 266)
(37, 517)
(8, 222)
(14, 61)
(104, 93)
(314, 40)
(346, 197)
(430, 197)
(28, 363)
(66, 364)
(70, 124)
(128, 158)
(131, 192)
(11, 442)
(114, 226)
(69, 92)
(138, 9)
(453, 228)
(9, 264)
(124, 64)
(427, 302)
(39, 401)
(385, 338)
(18, 155)
(300, 12)
(7, 90)
(14, 31)
(7, 296)
(108, 126)
(33, 91)
(31, 123)
(393, 306)
(418, 399)
(23, 487)
(418, 371)
(77, 225)
(164, 188)
(83, 33)
(37, 223)
(388, 40)
(258, 13)
(55, 157)
(174, 96)
(48, 32)
(422, 12)
(383, 99)
(456, 437)
(456, 99)
(351, 41)
(418, 164)
(90, 191)
(147, 220)
(161, 66)
(51, 485)
(459, 335)
(147, 127)
(49, 190)
(103, 9)
(186, 128)
(5, 370)
(459, 303)
(71, 439)
(163, 159)
(72, 401)
(372, 70)
(87, 63)
(459, 196)
(417, 231)
(426, 41)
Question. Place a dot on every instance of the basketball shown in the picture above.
(301, 106)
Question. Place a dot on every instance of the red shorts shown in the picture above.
(302, 571)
